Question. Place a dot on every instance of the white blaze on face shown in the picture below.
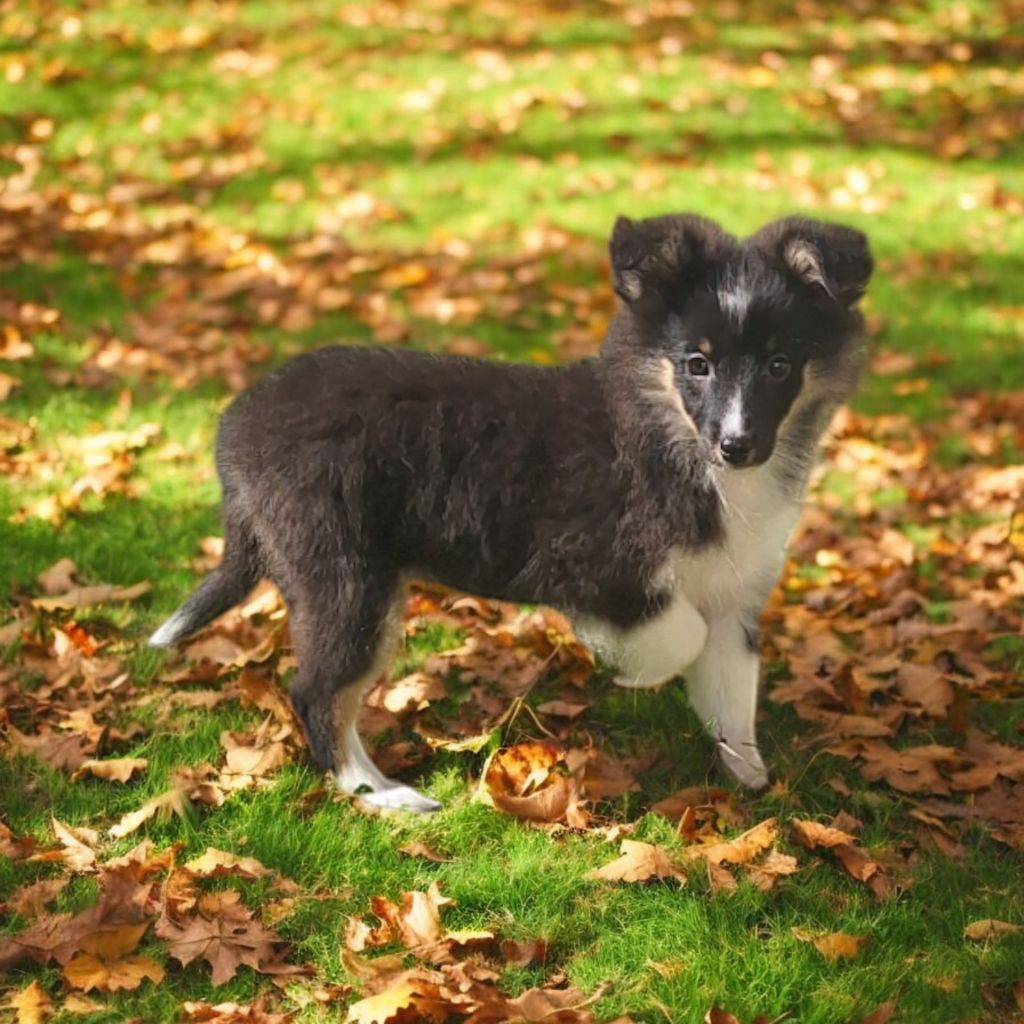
(734, 422)
(735, 301)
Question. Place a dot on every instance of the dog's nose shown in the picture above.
(737, 449)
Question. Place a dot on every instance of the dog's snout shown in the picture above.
(737, 449)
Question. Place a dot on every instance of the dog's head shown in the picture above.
(740, 329)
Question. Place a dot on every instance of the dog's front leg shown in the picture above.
(722, 685)
(653, 652)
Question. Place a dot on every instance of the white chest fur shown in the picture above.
(729, 582)
(758, 518)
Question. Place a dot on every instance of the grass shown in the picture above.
(489, 127)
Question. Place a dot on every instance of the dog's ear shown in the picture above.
(829, 258)
(661, 259)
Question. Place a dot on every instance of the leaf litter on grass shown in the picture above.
(886, 678)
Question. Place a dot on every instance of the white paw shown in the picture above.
(639, 683)
(399, 798)
(744, 764)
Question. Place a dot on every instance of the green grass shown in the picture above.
(490, 127)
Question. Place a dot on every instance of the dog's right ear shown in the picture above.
(661, 259)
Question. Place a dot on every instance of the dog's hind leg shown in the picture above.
(343, 641)
(722, 685)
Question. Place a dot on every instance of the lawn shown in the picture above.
(189, 194)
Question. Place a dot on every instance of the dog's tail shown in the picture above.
(225, 587)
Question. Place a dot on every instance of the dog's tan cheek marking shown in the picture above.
(704, 348)
(673, 397)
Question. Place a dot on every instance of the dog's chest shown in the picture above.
(757, 519)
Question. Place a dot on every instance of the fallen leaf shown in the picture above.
(832, 945)
(638, 862)
(224, 933)
(990, 929)
(31, 1004)
(881, 1014)
(29, 901)
(173, 801)
(86, 597)
(87, 972)
(118, 769)
(740, 850)
(415, 848)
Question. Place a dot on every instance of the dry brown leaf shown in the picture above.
(740, 850)
(814, 836)
(233, 1013)
(78, 852)
(775, 866)
(990, 929)
(415, 848)
(215, 863)
(59, 578)
(926, 686)
(86, 597)
(526, 781)
(638, 862)
(117, 769)
(29, 901)
(716, 1015)
(173, 801)
(225, 933)
(881, 1014)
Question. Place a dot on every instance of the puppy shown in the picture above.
(649, 492)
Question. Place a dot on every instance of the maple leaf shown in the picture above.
(87, 972)
(215, 863)
(64, 751)
(31, 1004)
(409, 994)
(77, 852)
(638, 862)
(224, 933)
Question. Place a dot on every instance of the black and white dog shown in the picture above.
(649, 492)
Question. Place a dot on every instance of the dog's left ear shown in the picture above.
(661, 259)
(831, 258)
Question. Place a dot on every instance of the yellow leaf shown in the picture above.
(379, 1009)
(988, 929)
(31, 1004)
(87, 972)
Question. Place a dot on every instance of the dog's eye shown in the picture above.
(778, 367)
(697, 366)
